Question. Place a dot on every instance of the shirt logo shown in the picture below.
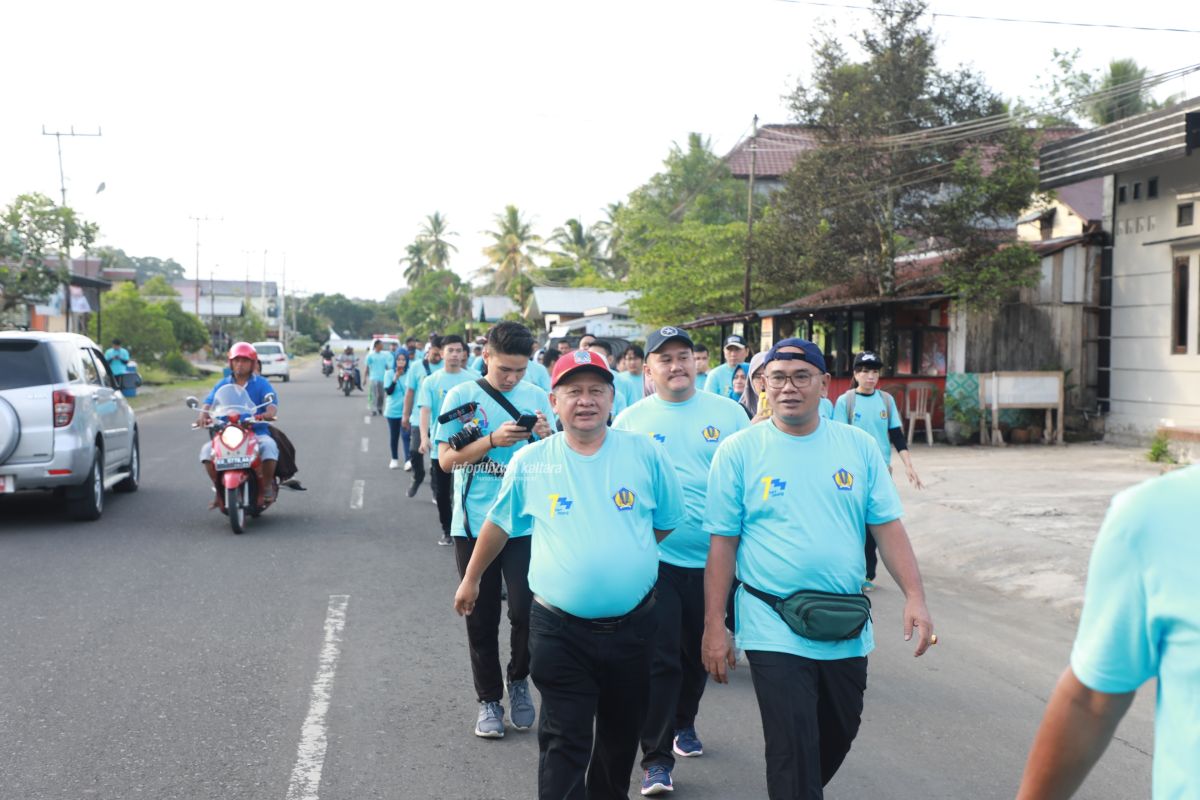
(773, 487)
(883, 414)
(560, 506)
(658, 437)
(711, 433)
(844, 480)
(668, 331)
(624, 499)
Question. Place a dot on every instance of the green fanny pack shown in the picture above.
(820, 616)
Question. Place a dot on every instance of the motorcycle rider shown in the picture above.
(327, 355)
(242, 360)
(348, 357)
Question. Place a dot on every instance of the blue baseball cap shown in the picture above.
(809, 352)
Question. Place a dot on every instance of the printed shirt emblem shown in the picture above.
(773, 487)
(711, 433)
(624, 499)
(844, 480)
(560, 506)
(658, 437)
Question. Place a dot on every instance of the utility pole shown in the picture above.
(198, 221)
(65, 254)
(283, 307)
(262, 293)
(750, 216)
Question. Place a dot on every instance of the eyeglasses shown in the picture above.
(801, 380)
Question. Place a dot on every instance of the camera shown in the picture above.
(470, 431)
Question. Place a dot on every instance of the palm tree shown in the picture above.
(1134, 98)
(417, 260)
(510, 256)
(608, 231)
(579, 244)
(433, 235)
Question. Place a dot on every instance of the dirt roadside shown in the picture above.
(1019, 519)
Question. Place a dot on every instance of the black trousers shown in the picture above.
(483, 624)
(589, 681)
(443, 483)
(810, 715)
(677, 674)
(414, 452)
(871, 556)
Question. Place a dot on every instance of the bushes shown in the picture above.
(303, 344)
(175, 363)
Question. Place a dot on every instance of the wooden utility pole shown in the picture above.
(750, 217)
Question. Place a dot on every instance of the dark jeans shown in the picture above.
(810, 714)
(414, 454)
(483, 624)
(871, 557)
(589, 681)
(677, 674)
(443, 483)
(396, 435)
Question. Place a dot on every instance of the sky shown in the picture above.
(316, 137)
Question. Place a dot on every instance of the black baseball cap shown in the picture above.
(867, 360)
(808, 352)
(667, 333)
(735, 341)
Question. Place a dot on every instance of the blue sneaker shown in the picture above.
(490, 723)
(687, 744)
(523, 712)
(657, 780)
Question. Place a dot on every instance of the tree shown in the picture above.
(889, 180)
(142, 327)
(609, 233)
(577, 257)
(344, 315)
(433, 237)
(439, 301)
(32, 230)
(248, 327)
(510, 256)
(1099, 97)
(418, 264)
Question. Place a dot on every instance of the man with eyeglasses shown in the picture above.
(596, 502)
(788, 503)
(688, 424)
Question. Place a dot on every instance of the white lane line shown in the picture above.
(356, 495)
(365, 440)
(305, 782)
(367, 419)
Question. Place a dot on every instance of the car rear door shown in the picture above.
(112, 422)
(27, 378)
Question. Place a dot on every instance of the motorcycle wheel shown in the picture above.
(347, 388)
(237, 511)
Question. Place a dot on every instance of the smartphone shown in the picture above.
(527, 421)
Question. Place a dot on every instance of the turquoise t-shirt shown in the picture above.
(476, 363)
(393, 405)
(689, 432)
(826, 408)
(801, 505)
(871, 415)
(537, 375)
(433, 391)
(720, 380)
(1141, 618)
(526, 398)
(378, 364)
(117, 357)
(630, 387)
(592, 519)
(417, 372)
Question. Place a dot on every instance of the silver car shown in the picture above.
(64, 424)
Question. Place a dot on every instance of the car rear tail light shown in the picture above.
(64, 408)
(232, 437)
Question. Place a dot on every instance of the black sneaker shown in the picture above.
(412, 490)
(445, 541)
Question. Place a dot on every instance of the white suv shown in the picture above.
(274, 360)
(64, 424)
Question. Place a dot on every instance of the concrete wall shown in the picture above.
(1152, 387)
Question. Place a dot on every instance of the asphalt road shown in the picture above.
(153, 654)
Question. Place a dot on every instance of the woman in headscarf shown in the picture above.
(754, 399)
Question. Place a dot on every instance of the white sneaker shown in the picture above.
(394, 464)
(408, 466)
(433, 500)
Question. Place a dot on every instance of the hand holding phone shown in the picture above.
(527, 421)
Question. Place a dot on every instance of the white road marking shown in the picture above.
(365, 440)
(367, 419)
(305, 782)
(356, 495)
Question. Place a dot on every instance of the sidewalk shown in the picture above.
(1020, 519)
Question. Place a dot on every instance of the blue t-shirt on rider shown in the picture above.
(434, 390)
(800, 505)
(593, 552)
(258, 388)
(417, 372)
(689, 432)
(872, 413)
(489, 416)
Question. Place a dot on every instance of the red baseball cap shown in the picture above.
(580, 360)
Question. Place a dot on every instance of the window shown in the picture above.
(90, 374)
(106, 378)
(1137, 190)
(1152, 188)
(1184, 214)
(1121, 194)
(23, 364)
(1179, 305)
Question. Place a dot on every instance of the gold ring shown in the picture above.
(933, 638)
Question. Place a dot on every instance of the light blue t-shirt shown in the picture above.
(719, 380)
(476, 363)
(433, 391)
(489, 416)
(871, 415)
(592, 519)
(1141, 618)
(630, 386)
(261, 392)
(826, 408)
(801, 505)
(417, 372)
(689, 432)
(537, 375)
(378, 364)
(117, 357)
(393, 405)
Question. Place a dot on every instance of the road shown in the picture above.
(153, 654)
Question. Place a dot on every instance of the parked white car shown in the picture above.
(274, 360)
(64, 424)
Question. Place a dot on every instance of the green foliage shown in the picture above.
(1101, 97)
(142, 327)
(145, 267)
(302, 344)
(348, 317)
(247, 328)
(510, 256)
(1160, 450)
(416, 260)
(962, 410)
(433, 239)
(158, 287)
(439, 301)
(190, 333)
(176, 364)
(32, 229)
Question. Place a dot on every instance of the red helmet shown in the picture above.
(243, 350)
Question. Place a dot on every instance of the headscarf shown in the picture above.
(749, 399)
(739, 368)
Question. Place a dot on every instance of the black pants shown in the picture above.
(442, 483)
(483, 624)
(810, 714)
(414, 454)
(677, 674)
(589, 680)
(871, 557)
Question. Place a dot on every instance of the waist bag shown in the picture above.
(820, 616)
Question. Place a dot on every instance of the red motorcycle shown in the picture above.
(235, 452)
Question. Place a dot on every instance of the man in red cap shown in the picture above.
(596, 501)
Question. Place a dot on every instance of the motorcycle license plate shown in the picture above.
(8, 484)
(233, 462)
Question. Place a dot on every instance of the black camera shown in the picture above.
(470, 430)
